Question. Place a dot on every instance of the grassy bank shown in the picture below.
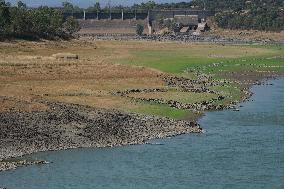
(221, 62)
(29, 72)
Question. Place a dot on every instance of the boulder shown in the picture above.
(66, 56)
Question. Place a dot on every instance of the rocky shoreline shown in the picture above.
(174, 38)
(67, 126)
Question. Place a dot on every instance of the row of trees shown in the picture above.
(43, 22)
(70, 8)
(265, 15)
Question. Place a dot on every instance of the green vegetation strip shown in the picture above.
(214, 60)
(151, 108)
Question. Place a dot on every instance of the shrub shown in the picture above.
(4, 18)
(43, 22)
(71, 26)
(139, 29)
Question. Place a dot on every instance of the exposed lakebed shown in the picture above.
(240, 149)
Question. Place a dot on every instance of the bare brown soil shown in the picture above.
(28, 71)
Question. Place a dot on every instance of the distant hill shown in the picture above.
(267, 15)
(264, 15)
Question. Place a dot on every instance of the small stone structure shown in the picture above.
(184, 30)
(187, 20)
(203, 26)
(66, 56)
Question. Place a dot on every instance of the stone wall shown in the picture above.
(125, 22)
(110, 26)
(141, 15)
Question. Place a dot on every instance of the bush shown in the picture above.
(139, 29)
(5, 19)
(43, 22)
(170, 24)
(241, 14)
(47, 23)
(71, 26)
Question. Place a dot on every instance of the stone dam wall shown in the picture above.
(125, 22)
(110, 26)
(150, 15)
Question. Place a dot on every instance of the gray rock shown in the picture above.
(67, 126)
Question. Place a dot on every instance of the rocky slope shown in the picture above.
(65, 126)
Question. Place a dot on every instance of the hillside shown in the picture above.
(267, 15)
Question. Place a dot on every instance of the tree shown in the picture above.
(42, 22)
(170, 24)
(160, 21)
(47, 22)
(139, 29)
(148, 5)
(71, 26)
(20, 22)
(260, 15)
(67, 6)
(5, 18)
(97, 6)
(20, 4)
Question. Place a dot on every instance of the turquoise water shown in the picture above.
(242, 149)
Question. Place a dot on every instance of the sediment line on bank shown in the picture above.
(176, 38)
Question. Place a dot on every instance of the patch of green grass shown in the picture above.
(231, 93)
(176, 60)
(159, 110)
(169, 62)
(189, 97)
(230, 58)
(248, 64)
(268, 46)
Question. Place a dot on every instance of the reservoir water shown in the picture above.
(242, 149)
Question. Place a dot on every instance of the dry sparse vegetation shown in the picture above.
(29, 72)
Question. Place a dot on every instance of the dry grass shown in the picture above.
(28, 72)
